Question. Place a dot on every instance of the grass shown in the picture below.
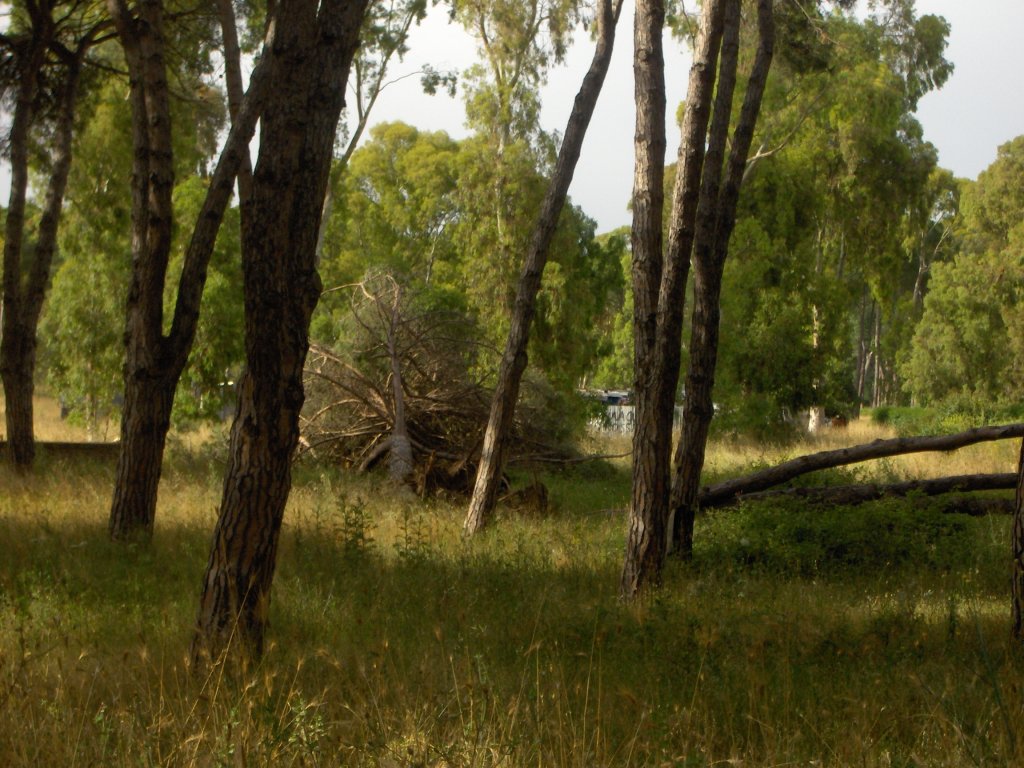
(870, 636)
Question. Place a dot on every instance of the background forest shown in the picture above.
(274, 309)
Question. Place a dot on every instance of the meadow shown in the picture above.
(875, 635)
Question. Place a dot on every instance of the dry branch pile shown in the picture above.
(402, 388)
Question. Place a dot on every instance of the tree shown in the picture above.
(309, 59)
(656, 286)
(155, 359)
(514, 359)
(967, 347)
(48, 57)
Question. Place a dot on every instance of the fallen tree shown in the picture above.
(864, 492)
(727, 492)
(404, 386)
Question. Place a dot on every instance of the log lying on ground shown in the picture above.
(724, 493)
(861, 493)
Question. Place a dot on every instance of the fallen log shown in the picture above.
(720, 494)
(865, 492)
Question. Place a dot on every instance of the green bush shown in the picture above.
(818, 540)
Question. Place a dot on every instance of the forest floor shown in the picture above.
(799, 635)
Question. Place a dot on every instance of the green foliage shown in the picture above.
(218, 351)
(970, 340)
(421, 206)
(83, 321)
(831, 542)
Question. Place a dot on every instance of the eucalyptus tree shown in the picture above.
(703, 210)
(45, 51)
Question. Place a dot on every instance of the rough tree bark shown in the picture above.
(709, 264)
(514, 359)
(654, 409)
(154, 361)
(16, 348)
(645, 543)
(313, 48)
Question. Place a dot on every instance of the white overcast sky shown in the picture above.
(979, 108)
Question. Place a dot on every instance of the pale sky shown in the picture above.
(979, 108)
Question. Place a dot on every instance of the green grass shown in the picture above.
(871, 636)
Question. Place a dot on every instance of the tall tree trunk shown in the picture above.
(645, 543)
(514, 359)
(312, 55)
(147, 395)
(17, 381)
(154, 362)
(709, 265)
(645, 555)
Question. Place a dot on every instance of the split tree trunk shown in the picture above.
(153, 361)
(661, 354)
(312, 54)
(514, 359)
(709, 265)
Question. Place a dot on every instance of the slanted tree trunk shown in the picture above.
(657, 359)
(312, 51)
(709, 265)
(154, 361)
(514, 359)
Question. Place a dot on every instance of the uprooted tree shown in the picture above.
(402, 386)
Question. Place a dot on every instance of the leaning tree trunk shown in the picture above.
(17, 381)
(709, 265)
(514, 359)
(651, 462)
(312, 55)
(645, 544)
(153, 361)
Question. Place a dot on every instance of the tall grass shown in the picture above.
(874, 636)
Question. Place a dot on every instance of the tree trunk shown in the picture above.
(15, 350)
(864, 492)
(514, 359)
(722, 493)
(154, 362)
(653, 445)
(710, 252)
(1017, 548)
(645, 543)
(312, 55)
(707, 281)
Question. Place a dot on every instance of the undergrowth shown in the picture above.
(873, 635)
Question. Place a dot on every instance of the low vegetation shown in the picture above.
(875, 635)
